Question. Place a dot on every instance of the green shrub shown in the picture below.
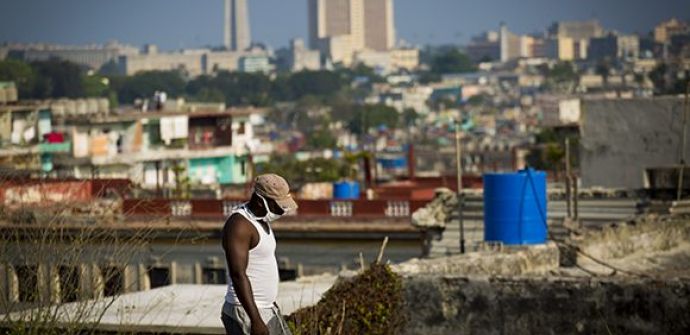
(370, 303)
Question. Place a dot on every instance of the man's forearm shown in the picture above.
(243, 289)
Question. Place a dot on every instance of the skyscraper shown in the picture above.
(236, 35)
(577, 30)
(368, 23)
(333, 18)
(379, 26)
(316, 19)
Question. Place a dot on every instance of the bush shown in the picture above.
(370, 303)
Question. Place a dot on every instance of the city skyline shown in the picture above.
(275, 22)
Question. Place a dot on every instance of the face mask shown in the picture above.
(270, 216)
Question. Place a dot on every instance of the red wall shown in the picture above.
(39, 193)
(214, 208)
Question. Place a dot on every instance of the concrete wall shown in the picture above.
(511, 261)
(644, 236)
(623, 137)
(457, 305)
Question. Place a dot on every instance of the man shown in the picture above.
(249, 245)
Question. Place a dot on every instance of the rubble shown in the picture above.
(438, 212)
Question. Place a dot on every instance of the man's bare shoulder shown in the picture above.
(236, 222)
(237, 230)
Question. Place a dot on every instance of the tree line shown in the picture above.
(62, 79)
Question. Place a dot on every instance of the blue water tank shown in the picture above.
(515, 207)
(346, 190)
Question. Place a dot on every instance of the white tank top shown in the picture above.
(262, 267)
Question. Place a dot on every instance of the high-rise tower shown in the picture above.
(368, 23)
(237, 36)
(379, 25)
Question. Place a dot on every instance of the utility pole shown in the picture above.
(682, 144)
(458, 159)
(567, 177)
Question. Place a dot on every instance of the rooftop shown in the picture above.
(183, 308)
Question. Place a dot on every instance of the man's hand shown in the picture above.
(259, 328)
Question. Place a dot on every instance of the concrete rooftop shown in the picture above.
(185, 308)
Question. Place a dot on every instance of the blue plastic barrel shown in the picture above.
(346, 190)
(515, 207)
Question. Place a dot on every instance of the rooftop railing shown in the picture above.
(218, 209)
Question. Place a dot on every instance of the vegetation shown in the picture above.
(145, 84)
(561, 72)
(301, 172)
(666, 81)
(59, 240)
(549, 153)
(370, 303)
(57, 79)
(409, 116)
(46, 79)
(321, 138)
(451, 61)
(360, 118)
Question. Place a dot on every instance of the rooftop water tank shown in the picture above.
(515, 207)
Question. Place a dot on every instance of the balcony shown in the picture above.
(63, 147)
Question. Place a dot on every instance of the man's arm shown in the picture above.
(237, 242)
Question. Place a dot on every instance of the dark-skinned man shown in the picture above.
(249, 244)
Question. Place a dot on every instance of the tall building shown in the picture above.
(513, 46)
(379, 26)
(357, 27)
(665, 30)
(576, 30)
(237, 36)
(614, 46)
(484, 47)
(331, 18)
(572, 37)
(363, 24)
(561, 48)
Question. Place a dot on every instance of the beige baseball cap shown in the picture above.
(273, 186)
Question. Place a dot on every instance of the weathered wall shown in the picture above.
(623, 137)
(457, 305)
(511, 261)
(645, 235)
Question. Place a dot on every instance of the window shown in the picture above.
(159, 276)
(114, 280)
(241, 129)
(27, 276)
(69, 283)
(213, 276)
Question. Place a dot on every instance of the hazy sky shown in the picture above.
(176, 24)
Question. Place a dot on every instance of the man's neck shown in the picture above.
(256, 210)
